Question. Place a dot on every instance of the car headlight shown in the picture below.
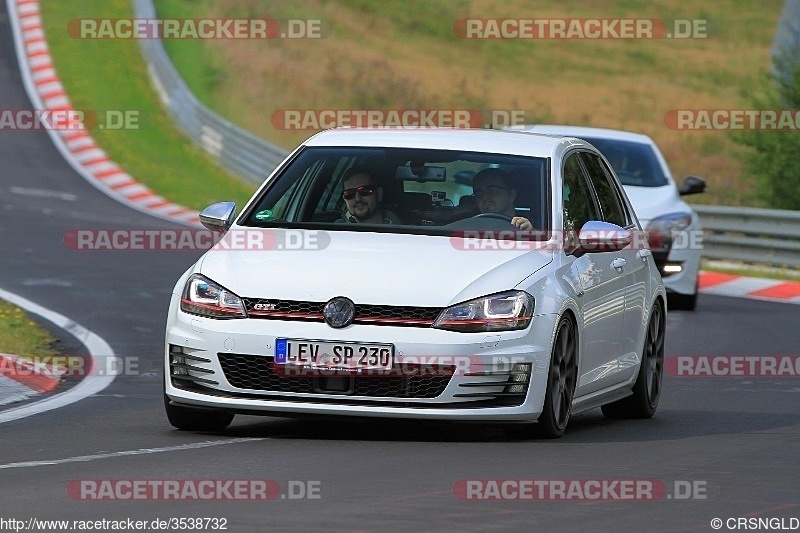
(499, 312)
(671, 224)
(662, 230)
(203, 297)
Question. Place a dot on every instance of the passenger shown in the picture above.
(494, 194)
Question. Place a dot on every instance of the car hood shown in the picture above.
(652, 202)
(372, 268)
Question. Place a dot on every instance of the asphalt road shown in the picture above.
(736, 439)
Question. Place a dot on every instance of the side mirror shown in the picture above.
(596, 236)
(692, 185)
(218, 217)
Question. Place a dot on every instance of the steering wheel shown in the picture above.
(499, 216)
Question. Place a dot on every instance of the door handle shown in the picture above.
(618, 263)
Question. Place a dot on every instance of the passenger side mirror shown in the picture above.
(218, 217)
(597, 236)
(692, 185)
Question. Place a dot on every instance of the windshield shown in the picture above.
(635, 163)
(402, 190)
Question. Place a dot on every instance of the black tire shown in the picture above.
(682, 302)
(647, 389)
(187, 419)
(562, 378)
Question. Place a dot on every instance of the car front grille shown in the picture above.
(260, 373)
(383, 315)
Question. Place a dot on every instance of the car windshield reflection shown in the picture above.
(421, 191)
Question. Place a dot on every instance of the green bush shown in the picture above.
(774, 159)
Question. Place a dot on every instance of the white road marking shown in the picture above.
(46, 282)
(127, 453)
(88, 386)
(44, 193)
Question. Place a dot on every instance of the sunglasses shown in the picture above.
(364, 190)
(490, 190)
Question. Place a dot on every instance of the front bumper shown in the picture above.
(686, 252)
(228, 365)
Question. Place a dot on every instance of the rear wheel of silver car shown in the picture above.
(647, 389)
(196, 419)
(561, 380)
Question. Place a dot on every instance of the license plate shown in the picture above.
(339, 355)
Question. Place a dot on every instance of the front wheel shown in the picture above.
(561, 381)
(188, 419)
(647, 389)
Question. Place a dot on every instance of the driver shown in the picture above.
(494, 194)
(362, 197)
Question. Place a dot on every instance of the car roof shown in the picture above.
(583, 131)
(465, 140)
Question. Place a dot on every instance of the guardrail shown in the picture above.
(751, 235)
(235, 149)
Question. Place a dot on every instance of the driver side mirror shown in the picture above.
(218, 217)
(692, 185)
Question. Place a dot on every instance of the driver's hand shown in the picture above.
(522, 223)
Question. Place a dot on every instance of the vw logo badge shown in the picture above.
(339, 312)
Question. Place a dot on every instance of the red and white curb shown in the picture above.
(20, 379)
(747, 287)
(77, 146)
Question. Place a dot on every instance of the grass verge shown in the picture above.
(110, 74)
(20, 335)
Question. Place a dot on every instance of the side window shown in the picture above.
(579, 206)
(607, 194)
(331, 197)
(626, 211)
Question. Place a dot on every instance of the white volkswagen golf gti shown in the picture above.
(363, 280)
